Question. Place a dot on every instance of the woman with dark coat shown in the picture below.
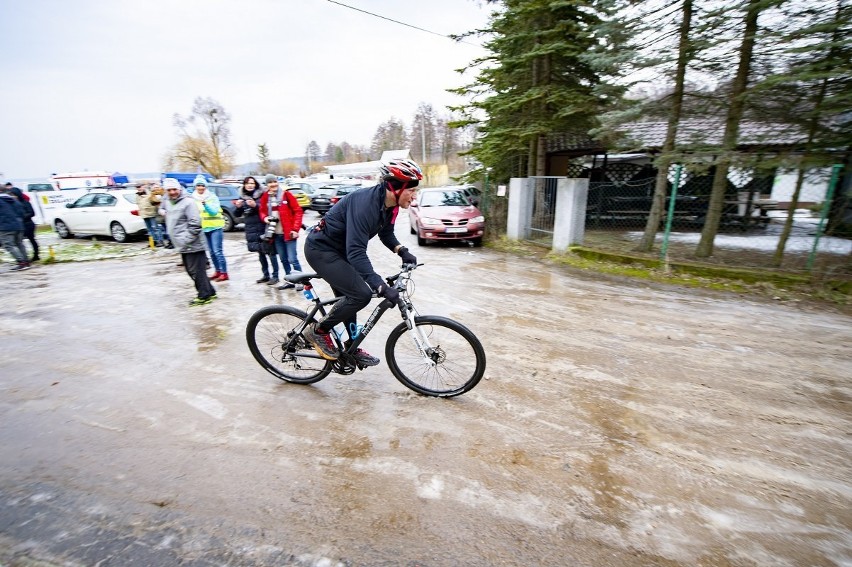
(254, 228)
(29, 225)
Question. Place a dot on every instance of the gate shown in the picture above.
(541, 222)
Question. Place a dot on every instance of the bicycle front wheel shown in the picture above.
(453, 361)
(273, 341)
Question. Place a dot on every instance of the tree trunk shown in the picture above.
(729, 139)
(813, 126)
(661, 186)
(778, 257)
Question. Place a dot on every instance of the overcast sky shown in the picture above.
(93, 84)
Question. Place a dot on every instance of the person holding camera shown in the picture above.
(336, 248)
(249, 209)
(282, 214)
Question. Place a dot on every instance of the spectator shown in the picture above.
(148, 212)
(280, 208)
(12, 227)
(157, 193)
(248, 208)
(212, 222)
(183, 221)
(29, 225)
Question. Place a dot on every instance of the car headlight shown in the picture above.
(480, 218)
(428, 221)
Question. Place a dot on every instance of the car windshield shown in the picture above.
(129, 198)
(443, 199)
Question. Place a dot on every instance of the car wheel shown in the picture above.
(421, 241)
(477, 242)
(62, 229)
(118, 232)
(229, 221)
(413, 231)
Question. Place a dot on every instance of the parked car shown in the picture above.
(326, 197)
(445, 213)
(308, 188)
(301, 197)
(473, 194)
(101, 212)
(227, 194)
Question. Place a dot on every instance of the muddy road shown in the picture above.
(616, 425)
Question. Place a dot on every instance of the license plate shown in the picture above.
(456, 229)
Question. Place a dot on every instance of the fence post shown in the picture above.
(520, 208)
(826, 207)
(569, 222)
(664, 249)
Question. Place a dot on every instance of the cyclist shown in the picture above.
(336, 248)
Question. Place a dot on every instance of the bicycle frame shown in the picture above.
(406, 310)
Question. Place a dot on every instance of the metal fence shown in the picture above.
(750, 229)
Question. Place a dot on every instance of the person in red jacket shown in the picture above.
(279, 209)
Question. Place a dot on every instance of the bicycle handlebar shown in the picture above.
(406, 268)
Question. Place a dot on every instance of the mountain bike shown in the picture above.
(432, 355)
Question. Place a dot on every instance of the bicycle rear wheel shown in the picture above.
(454, 366)
(271, 337)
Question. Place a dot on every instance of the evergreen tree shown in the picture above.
(312, 155)
(813, 89)
(263, 158)
(541, 76)
(389, 136)
(685, 52)
(730, 136)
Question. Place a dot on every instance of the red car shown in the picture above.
(445, 214)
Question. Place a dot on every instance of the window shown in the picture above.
(87, 200)
(104, 200)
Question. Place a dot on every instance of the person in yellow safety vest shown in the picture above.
(212, 223)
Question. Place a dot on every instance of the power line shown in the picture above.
(398, 22)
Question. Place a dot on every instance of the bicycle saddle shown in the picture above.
(300, 277)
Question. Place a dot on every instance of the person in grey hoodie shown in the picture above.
(183, 224)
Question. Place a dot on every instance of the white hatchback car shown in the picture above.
(102, 212)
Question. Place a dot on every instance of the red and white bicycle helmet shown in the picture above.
(401, 170)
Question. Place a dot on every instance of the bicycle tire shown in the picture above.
(457, 366)
(289, 358)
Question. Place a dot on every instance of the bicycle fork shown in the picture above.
(421, 341)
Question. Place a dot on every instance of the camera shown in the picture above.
(270, 229)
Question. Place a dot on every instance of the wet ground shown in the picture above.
(617, 425)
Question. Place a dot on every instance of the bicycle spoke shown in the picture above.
(276, 346)
(453, 366)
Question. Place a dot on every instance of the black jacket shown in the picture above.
(11, 213)
(254, 227)
(350, 224)
(29, 212)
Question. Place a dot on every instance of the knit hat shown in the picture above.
(199, 180)
(170, 183)
(270, 177)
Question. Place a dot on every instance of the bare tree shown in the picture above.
(205, 138)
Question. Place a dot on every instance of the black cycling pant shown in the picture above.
(333, 267)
